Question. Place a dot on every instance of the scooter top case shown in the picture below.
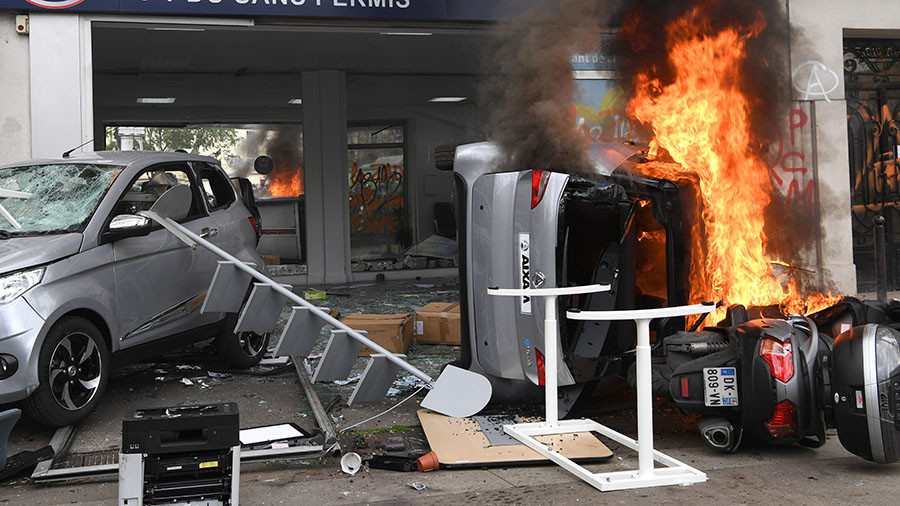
(865, 390)
(774, 363)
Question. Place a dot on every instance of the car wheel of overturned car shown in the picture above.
(73, 369)
(240, 350)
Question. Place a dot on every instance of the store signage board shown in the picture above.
(424, 10)
(604, 58)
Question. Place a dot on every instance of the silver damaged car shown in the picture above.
(86, 283)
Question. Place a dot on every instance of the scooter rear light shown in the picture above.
(779, 357)
(539, 359)
(784, 421)
(538, 186)
(252, 222)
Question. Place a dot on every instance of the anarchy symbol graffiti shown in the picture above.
(817, 75)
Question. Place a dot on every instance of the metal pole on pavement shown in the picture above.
(880, 260)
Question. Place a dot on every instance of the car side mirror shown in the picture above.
(175, 203)
(127, 225)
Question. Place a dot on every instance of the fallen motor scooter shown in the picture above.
(784, 380)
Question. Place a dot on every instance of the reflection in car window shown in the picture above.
(62, 196)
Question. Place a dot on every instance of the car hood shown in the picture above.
(23, 252)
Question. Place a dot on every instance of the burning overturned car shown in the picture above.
(754, 374)
(560, 230)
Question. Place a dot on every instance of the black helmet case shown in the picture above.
(865, 381)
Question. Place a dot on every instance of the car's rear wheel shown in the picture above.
(73, 369)
(240, 350)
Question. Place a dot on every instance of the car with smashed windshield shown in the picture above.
(88, 282)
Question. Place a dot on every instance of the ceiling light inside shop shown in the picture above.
(447, 99)
(406, 33)
(155, 100)
(175, 29)
(295, 101)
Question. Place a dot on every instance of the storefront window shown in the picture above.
(379, 230)
(280, 194)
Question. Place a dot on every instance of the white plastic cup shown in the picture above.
(351, 463)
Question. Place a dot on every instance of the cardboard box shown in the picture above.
(438, 323)
(392, 331)
(271, 259)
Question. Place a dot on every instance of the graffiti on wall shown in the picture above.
(790, 168)
(815, 80)
(376, 198)
(875, 133)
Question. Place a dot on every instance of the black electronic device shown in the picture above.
(184, 454)
(176, 429)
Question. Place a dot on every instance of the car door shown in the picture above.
(235, 230)
(160, 282)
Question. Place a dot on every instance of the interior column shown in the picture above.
(326, 186)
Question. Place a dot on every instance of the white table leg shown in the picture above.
(644, 398)
(550, 365)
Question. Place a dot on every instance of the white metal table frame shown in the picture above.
(675, 472)
(550, 334)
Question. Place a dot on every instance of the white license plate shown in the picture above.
(720, 386)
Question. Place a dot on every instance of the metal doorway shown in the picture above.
(872, 83)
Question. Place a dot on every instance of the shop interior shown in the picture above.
(292, 92)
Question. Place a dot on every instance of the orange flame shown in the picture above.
(702, 120)
(286, 183)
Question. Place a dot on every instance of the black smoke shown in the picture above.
(530, 84)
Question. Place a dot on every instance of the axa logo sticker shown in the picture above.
(54, 4)
(525, 270)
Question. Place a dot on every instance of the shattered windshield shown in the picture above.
(56, 198)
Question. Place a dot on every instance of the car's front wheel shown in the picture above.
(241, 350)
(73, 369)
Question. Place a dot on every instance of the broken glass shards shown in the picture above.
(62, 196)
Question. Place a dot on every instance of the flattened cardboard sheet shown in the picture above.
(460, 442)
